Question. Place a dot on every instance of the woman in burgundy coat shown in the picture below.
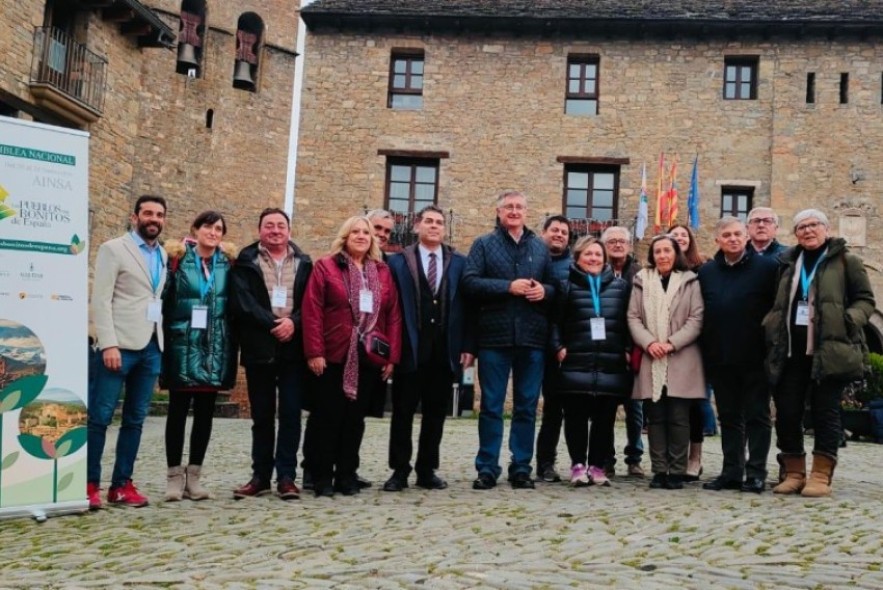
(350, 294)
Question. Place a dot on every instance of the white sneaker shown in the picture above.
(578, 476)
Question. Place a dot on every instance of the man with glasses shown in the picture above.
(617, 242)
(763, 223)
(508, 275)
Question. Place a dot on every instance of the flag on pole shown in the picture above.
(661, 197)
(693, 198)
(643, 216)
(673, 194)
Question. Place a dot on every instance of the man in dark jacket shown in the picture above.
(509, 278)
(763, 224)
(556, 235)
(738, 287)
(617, 242)
(436, 346)
(269, 280)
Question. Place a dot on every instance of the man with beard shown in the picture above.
(556, 234)
(127, 313)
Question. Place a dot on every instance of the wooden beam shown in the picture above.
(135, 28)
(118, 14)
(413, 154)
(593, 160)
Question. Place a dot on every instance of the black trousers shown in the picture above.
(430, 386)
(589, 444)
(668, 431)
(203, 403)
(337, 424)
(743, 407)
(553, 416)
(794, 389)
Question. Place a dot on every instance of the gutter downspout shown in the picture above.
(294, 130)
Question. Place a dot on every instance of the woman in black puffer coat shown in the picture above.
(591, 338)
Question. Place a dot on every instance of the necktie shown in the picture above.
(432, 273)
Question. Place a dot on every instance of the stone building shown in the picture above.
(206, 125)
(408, 102)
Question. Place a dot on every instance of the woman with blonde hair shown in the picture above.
(352, 338)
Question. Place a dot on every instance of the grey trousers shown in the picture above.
(668, 431)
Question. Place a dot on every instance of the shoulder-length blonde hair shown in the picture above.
(339, 243)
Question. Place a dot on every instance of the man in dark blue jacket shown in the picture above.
(763, 224)
(509, 279)
(436, 346)
(556, 235)
(738, 287)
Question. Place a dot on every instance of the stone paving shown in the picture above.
(623, 536)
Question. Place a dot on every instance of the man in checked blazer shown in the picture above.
(130, 273)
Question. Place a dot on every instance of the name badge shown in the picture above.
(802, 317)
(199, 317)
(280, 296)
(154, 311)
(469, 376)
(366, 301)
(599, 331)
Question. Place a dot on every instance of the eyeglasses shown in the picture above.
(762, 220)
(811, 226)
(617, 242)
(513, 207)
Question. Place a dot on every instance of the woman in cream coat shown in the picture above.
(665, 320)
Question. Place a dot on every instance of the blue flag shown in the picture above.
(693, 198)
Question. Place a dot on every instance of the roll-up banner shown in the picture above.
(44, 226)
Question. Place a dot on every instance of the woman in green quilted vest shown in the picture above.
(200, 356)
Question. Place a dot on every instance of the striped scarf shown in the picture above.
(362, 322)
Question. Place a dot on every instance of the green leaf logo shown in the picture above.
(5, 210)
(70, 442)
(9, 460)
(65, 482)
(34, 445)
(21, 392)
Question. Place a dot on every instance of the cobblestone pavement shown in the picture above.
(623, 536)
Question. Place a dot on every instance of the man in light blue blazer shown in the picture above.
(130, 273)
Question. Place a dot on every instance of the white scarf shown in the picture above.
(657, 312)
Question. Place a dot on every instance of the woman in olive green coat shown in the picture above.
(815, 347)
(199, 356)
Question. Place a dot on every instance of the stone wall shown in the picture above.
(495, 103)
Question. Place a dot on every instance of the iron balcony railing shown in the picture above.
(67, 66)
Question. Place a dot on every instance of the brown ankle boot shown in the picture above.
(794, 469)
(819, 483)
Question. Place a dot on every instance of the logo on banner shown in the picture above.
(33, 213)
(5, 210)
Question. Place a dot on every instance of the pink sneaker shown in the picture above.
(598, 477)
(93, 493)
(127, 495)
(578, 476)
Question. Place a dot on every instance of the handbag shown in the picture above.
(635, 358)
(377, 348)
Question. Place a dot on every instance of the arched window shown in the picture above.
(249, 35)
(191, 38)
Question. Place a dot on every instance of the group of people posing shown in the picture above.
(588, 326)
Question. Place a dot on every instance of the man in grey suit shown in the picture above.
(130, 273)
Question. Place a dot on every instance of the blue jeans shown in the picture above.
(634, 424)
(709, 420)
(494, 366)
(270, 449)
(139, 371)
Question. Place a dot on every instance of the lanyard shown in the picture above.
(806, 280)
(157, 268)
(595, 288)
(205, 283)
